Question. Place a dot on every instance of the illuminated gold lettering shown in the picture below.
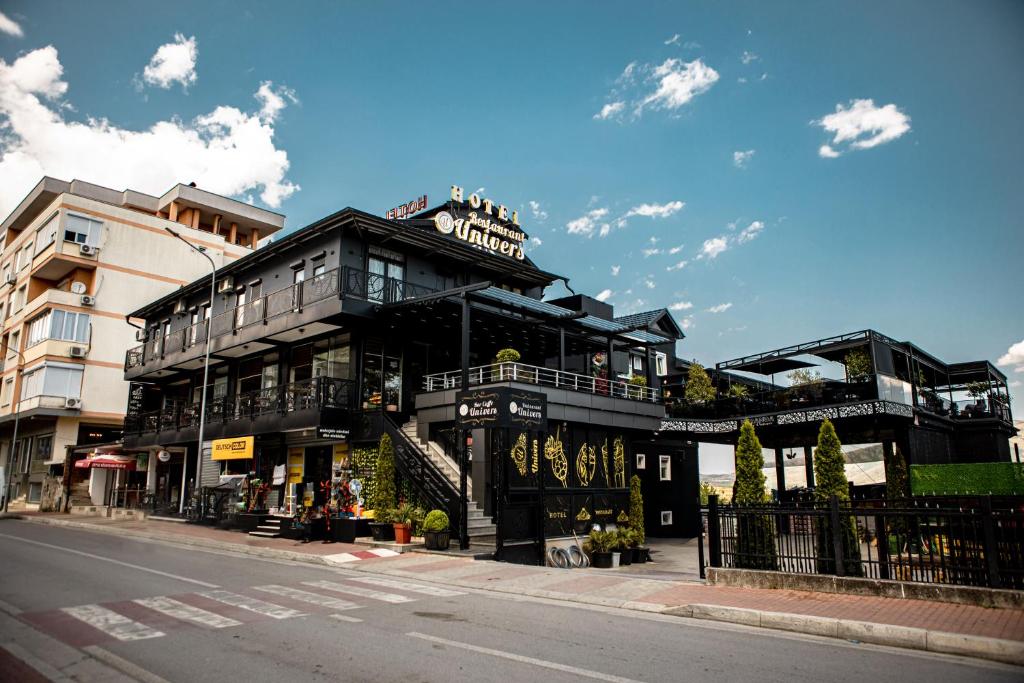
(457, 194)
(462, 229)
(474, 200)
(502, 212)
(488, 205)
(515, 218)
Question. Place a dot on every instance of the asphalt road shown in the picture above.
(183, 614)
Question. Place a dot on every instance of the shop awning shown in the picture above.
(109, 462)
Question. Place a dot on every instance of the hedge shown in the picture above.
(997, 478)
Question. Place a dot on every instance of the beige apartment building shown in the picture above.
(76, 259)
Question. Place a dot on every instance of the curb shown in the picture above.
(907, 637)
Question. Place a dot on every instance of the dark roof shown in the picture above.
(649, 319)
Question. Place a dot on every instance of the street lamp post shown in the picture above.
(14, 437)
(206, 373)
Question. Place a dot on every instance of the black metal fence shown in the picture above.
(978, 544)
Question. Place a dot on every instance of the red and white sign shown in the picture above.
(408, 209)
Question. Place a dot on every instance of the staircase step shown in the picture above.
(265, 534)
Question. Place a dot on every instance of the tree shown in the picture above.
(385, 476)
(895, 489)
(755, 532)
(858, 365)
(636, 510)
(698, 385)
(739, 391)
(830, 480)
(804, 377)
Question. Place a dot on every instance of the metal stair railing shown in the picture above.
(430, 484)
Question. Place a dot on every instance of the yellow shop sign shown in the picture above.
(238, 448)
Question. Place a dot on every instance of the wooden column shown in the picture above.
(216, 223)
(809, 465)
(233, 233)
(195, 219)
(255, 237)
(172, 212)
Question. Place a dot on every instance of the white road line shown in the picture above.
(179, 610)
(306, 596)
(112, 623)
(111, 560)
(406, 586)
(252, 604)
(345, 617)
(359, 590)
(576, 671)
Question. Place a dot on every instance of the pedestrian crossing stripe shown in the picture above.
(371, 554)
(435, 591)
(179, 610)
(110, 622)
(359, 590)
(251, 604)
(306, 596)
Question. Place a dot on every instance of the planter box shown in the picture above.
(347, 529)
(248, 521)
(641, 555)
(625, 557)
(403, 533)
(601, 560)
(382, 531)
(437, 540)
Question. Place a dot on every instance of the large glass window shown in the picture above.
(46, 235)
(53, 379)
(63, 325)
(382, 378)
(386, 279)
(81, 230)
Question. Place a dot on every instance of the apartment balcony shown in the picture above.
(571, 397)
(320, 401)
(58, 259)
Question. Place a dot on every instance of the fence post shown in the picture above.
(882, 541)
(714, 538)
(837, 535)
(989, 540)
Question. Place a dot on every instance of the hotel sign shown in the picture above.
(501, 407)
(407, 209)
(485, 224)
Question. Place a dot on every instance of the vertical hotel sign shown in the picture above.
(485, 224)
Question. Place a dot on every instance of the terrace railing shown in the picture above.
(909, 540)
(380, 289)
(315, 393)
(824, 393)
(533, 374)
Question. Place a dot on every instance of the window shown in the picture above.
(43, 450)
(81, 230)
(7, 273)
(298, 276)
(63, 325)
(665, 467)
(26, 256)
(39, 329)
(7, 392)
(46, 235)
(661, 364)
(385, 281)
(641, 461)
(636, 363)
(53, 379)
(318, 271)
(19, 298)
(15, 345)
(666, 517)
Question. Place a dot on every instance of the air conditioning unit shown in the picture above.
(140, 335)
(75, 403)
(88, 250)
(179, 306)
(226, 285)
(88, 300)
(78, 351)
(11, 280)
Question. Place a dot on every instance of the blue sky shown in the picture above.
(917, 234)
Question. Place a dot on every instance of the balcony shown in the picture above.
(814, 395)
(308, 403)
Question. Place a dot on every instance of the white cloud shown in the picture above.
(227, 151)
(610, 110)
(1014, 356)
(676, 249)
(604, 294)
(649, 283)
(615, 270)
(677, 266)
(678, 82)
(741, 158)
(720, 308)
(651, 251)
(539, 214)
(536, 241)
(750, 232)
(587, 223)
(480, 190)
(605, 229)
(656, 210)
(681, 306)
(674, 40)
(747, 57)
(1015, 383)
(862, 125)
(687, 322)
(173, 63)
(713, 247)
(12, 28)
(741, 80)
(272, 100)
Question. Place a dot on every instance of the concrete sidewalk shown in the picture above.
(989, 633)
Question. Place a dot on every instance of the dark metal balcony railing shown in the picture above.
(311, 394)
(824, 393)
(381, 289)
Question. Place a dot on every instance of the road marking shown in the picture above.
(406, 586)
(179, 610)
(306, 596)
(576, 671)
(345, 617)
(111, 560)
(123, 665)
(359, 590)
(252, 604)
(112, 623)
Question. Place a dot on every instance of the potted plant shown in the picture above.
(602, 555)
(402, 523)
(641, 553)
(624, 542)
(436, 534)
(637, 384)
(504, 356)
(382, 528)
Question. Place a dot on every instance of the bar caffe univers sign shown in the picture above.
(485, 224)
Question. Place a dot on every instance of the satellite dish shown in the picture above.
(78, 287)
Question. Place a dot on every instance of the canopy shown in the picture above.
(109, 462)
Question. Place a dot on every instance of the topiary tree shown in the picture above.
(636, 510)
(507, 356)
(896, 489)
(698, 385)
(755, 532)
(830, 480)
(385, 496)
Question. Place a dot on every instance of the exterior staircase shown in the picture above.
(270, 528)
(481, 529)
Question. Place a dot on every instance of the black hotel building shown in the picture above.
(357, 325)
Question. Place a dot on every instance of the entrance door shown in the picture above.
(317, 470)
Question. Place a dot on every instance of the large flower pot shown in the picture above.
(626, 557)
(641, 555)
(382, 531)
(403, 533)
(615, 559)
(437, 540)
(601, 560)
